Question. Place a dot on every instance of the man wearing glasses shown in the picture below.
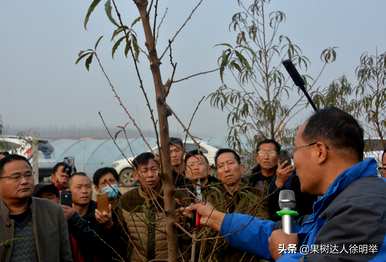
(31, 229)
(275, 172)
(348, 222)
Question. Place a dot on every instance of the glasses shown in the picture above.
(295, 148)
(262, 153)
(18, 176)
(382, 168)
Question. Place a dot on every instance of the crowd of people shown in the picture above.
(224, 213)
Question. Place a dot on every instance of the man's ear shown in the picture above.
(208, 169)
(53, 179)
(257, 159)
(135, 174)
(242, 169)
(321, 152)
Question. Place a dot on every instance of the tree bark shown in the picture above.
(168, 183)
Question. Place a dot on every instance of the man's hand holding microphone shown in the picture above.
(213, 218)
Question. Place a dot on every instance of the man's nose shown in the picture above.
(84, 190)
(266, 156)
(149, 174)
(24, 180)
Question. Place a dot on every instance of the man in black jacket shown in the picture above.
(86, 234)
(271, 175)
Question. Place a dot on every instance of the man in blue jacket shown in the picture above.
(348, 222)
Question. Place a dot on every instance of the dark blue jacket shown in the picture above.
(350, 217)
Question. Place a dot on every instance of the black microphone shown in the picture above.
(294, 74)
(286, 203)
(298, 80)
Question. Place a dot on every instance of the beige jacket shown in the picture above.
(145, 226)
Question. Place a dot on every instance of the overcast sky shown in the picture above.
(41, 86)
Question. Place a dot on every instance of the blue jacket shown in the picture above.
(350, 217)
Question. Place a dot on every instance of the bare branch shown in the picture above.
(320, 73)
(121, 103)
(181, 27)
(112, 138)
(174, 66)
(183, 230)
(141, 86)
(155, 17)
(183, 126)
(192, 117)
(160, 23)
(194, 75)
(150, 7)
(123, 128)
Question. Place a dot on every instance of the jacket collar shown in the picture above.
(155, 192)
(365, 168)
(4, 213)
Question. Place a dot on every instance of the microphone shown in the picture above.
(294, 74)
(286, 203)
(298, 80)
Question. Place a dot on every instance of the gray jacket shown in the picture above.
(50, 232)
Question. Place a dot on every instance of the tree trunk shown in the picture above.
(168, 183)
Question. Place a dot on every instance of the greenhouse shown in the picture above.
(91, 154)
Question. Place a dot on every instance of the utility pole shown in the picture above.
(35, 159)
(1, 125)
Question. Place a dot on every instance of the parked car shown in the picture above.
(23, 146)
(124, 168)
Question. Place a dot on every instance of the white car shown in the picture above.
(22, 145)
(124, 168)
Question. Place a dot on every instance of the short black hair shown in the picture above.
(102, 172)
(195, 152)
(338, 127)
(227, 150)
(143, 159)
(79, 174)
(10, 158)
(383, 154)
(66, 168)
(45, 188)
(83, 174)
(176, 141)
(269, 141)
